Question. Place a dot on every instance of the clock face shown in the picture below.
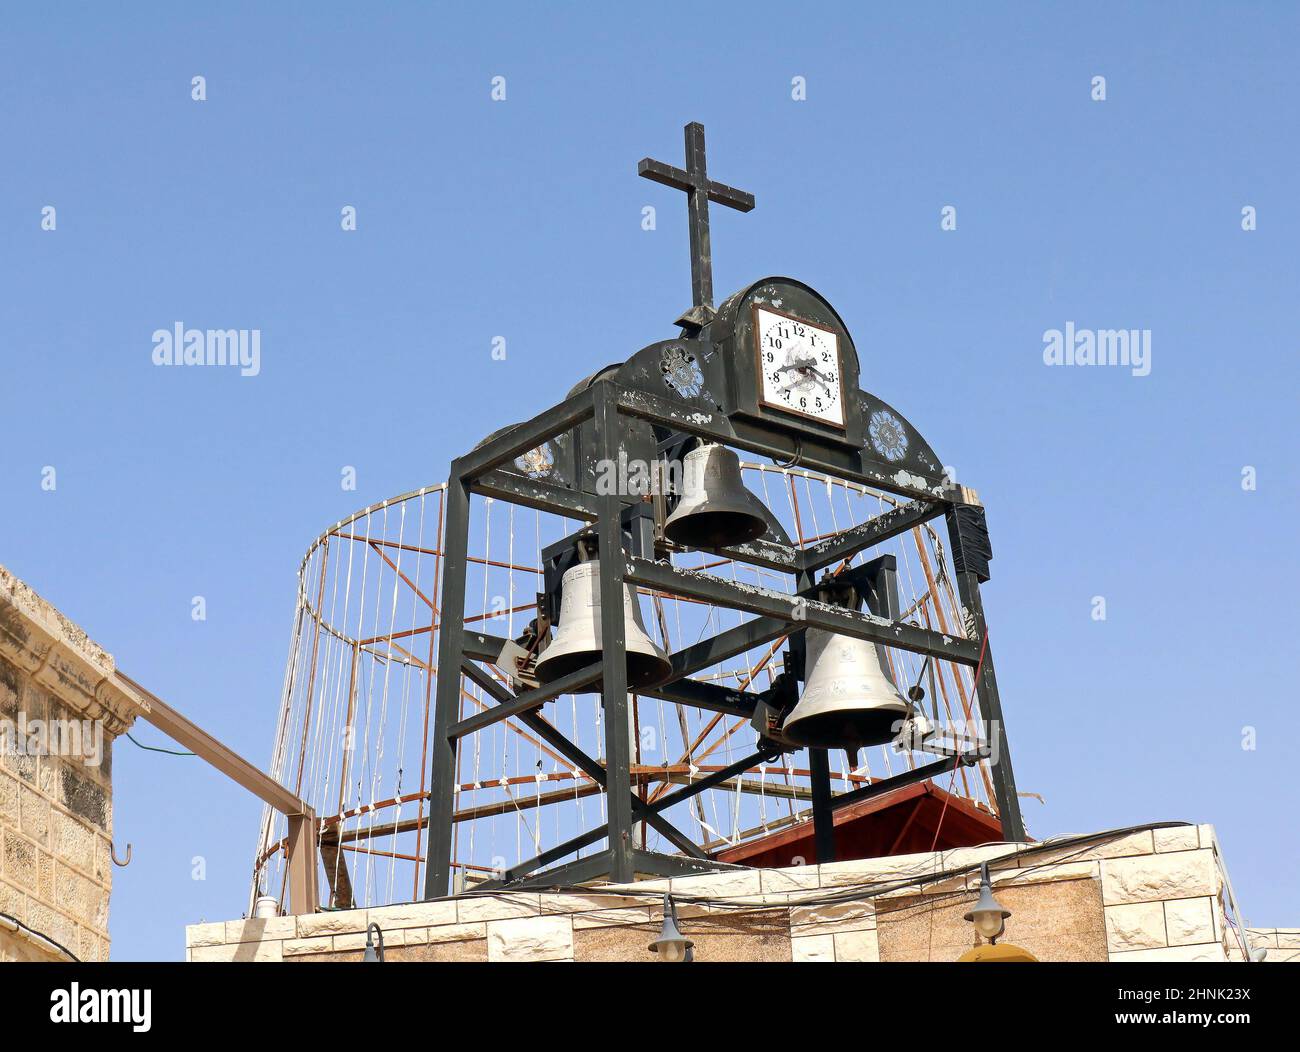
(800, 367)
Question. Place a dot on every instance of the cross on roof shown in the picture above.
(700, 190)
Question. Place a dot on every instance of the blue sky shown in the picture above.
(522, 218)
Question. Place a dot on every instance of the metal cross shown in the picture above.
(700, 190)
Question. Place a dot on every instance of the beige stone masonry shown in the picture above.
(56, 804)
(1172, 875)
(1151, 895)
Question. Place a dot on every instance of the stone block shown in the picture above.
(74, 842)
(592, 903)
(1138, 926)
(857, 946)
(13, 901)
(334, 922)
(19, 860)
(211, 934)
(727, 884)
(257, 929)
(321, 944)
(270, 951)
(1179, 838)
(1190, 921)
(813, 948)
(9, 785)
(414, 914)
(827, 920)
(1039, 873)
(81, 897)
(612, 918)
(501, 906)
(53, 924)
(792, 878)
(1171, 875)
(530, 939)
(457, 933)
(80, 794)
(1212, 951)
(1131, 844)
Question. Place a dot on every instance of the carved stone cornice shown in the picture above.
(58, 655)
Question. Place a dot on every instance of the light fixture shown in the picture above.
(988, 915)
(672, 946)
(370, 954)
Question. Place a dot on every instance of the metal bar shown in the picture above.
(767, 440)
(733, 641)
(442, 766)
(579, 871)
(658, 865)
(592, 768)
(823, 818)
(916, 774)
(523, 437)
(613, 636)
(300, 849)
(573, 504)
(185, 732)
(540, 726)
(709, 696)
(527, 701)
(986, 687)
(799, 612)
(883, 527)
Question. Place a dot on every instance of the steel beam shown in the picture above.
(530, 493)
(917, 774)
(986, 687)
(523, 437)
(527, 701)
(889, 524)
(591, 767)
(451, 637)
(799, 612)
(613, 634)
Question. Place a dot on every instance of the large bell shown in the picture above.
(849, 701)
(577, 640)
(716, 510)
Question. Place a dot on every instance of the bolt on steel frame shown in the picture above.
(779, 614)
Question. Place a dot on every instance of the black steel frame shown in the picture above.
(604, 403)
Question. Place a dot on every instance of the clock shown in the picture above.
(799, 367)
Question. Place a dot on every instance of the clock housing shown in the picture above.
(743, 331)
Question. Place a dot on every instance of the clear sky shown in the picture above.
(522, 218)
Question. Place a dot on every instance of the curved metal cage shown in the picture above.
(353, 734)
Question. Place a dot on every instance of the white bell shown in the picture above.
(848, 701)
(716, 510)
(577, 640)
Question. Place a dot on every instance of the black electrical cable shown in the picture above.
(859, 892)
(41, 935)
(154, 748)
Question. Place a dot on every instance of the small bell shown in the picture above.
(849, 701)
(577, 640)
(716, 510)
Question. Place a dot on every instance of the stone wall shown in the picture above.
(1156, 894)
(59, 713)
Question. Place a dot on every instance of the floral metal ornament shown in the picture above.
(888, 435)
(537, 462)
(681, 371)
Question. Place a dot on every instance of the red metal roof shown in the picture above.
(898, 823)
